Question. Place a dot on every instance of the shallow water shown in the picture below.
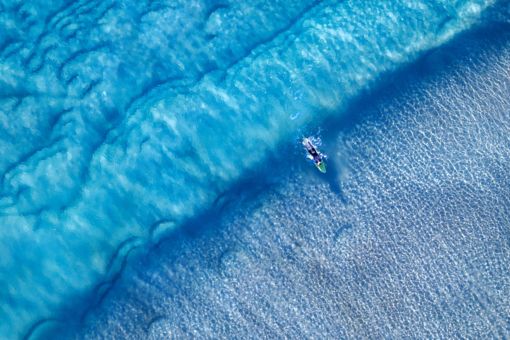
(124, 121)
(409, 237)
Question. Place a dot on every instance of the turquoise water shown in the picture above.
(408, 236)
(123, 121)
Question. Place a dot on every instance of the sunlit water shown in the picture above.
(121, 122)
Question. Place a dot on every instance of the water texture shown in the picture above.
(410, 238)
(122, 120)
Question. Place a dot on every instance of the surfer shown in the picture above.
(314, 155)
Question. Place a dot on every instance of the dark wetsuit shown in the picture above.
(311, 150)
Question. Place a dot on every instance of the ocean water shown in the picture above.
(408, 237)
(125, 122)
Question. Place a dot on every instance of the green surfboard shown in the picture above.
(321, 166)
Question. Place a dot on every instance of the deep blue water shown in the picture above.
(151, 184)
